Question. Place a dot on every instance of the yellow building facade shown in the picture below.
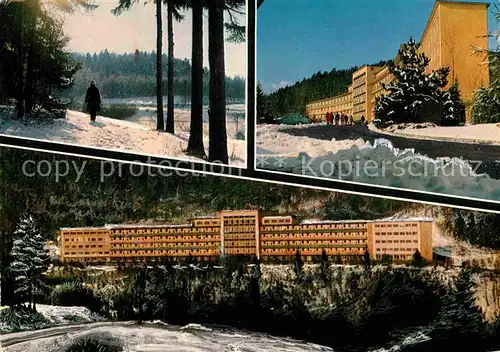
(454, 28)
(250, 234)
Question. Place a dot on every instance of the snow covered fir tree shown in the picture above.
(417, 96)
(30, 260)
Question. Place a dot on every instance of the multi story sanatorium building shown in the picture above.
(247, 233)
(454, 28)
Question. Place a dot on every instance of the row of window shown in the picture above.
(412, 250)
(84, 239)
(395, 256)
(85, 246)
(396, 241)
(396, 225)
(277, 221)
(408, 233)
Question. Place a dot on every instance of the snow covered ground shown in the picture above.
(486, 133)
(135, 135)
(360, 161)
(165, 339)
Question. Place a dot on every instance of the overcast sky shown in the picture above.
(136, 29)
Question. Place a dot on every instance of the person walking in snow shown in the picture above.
(93, 100)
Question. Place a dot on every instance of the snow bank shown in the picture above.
(58, 315)
(379, 164)
(272, 141)
(485, 133)
(46, 316)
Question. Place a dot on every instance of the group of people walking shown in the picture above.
(338, 119)
(341, 119)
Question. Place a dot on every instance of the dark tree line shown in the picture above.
(134, 75)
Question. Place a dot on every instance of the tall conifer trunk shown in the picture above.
(160, 123)
(195, 145)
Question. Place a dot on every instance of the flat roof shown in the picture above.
(465, 2)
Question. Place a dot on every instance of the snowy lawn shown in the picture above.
(486, 133)
(136, 135)
(47, 316)
(360, 161)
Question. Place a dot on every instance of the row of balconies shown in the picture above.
(312, 251)
(169, 240)
(170, 234)
(320, 230)
(326, 226)
(152, 231)
(168, 248)
(316, 237)
(294, 246)
(83, 254)
(177, 253)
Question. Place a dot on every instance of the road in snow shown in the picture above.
(194, 338)
(136, 136)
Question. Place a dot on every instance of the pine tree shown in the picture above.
(418, 260)
(29, 261)
(324, 265)
(367, 260)
(413, 88)
(459, 317)
(298, 265)
(263, 114)
(453, 107)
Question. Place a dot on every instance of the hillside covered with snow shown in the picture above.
(135, 136)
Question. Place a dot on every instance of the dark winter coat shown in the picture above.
(93, 99)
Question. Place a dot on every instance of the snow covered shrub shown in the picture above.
(21, 319)
(95, 342)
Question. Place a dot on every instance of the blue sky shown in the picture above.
(296, 38)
